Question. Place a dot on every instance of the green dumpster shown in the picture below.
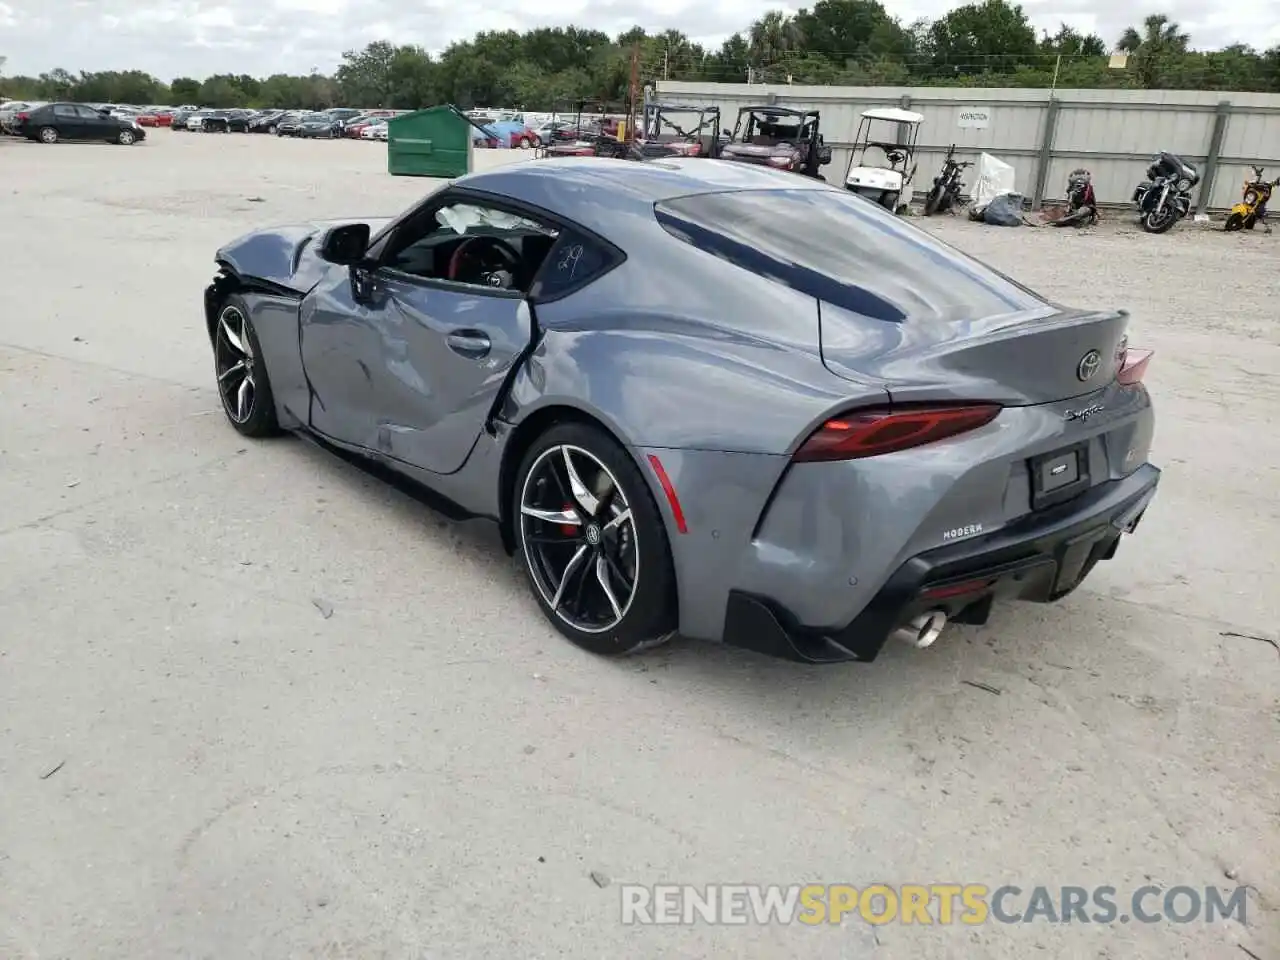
(435, 142)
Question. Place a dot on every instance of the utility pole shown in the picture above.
(666, 64)
(633, 92)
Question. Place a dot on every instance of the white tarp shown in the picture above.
(994, 178)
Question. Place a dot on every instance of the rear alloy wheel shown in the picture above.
(48, 135)
(1235, 221)
(593, 543)
(125, 138)
(242, 376)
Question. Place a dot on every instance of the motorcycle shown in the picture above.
(1082, 205)
(946, 185)
(1252, 208)
(1164, 197)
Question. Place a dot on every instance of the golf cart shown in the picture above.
(779, 137)
(881, 169)
(696, 132)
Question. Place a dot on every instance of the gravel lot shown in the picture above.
(430, 772)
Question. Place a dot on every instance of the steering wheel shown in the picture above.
(476, 249)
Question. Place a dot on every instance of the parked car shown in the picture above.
(288, 125)
(513, 133)
(343, 114)
(156, 118)
(226, 121)
(76, 121)
(356, 125)
(319, 125)
(935, 434)
(266, 121)
(10, 111)
(196, 120)
(375, 131)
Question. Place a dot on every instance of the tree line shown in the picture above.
(849, 42)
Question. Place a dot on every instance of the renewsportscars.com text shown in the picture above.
(938, 903)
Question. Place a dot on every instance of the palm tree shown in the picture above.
(772, 37)
(1161, 40)
(1159, 33)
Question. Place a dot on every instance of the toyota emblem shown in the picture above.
(1088, 365)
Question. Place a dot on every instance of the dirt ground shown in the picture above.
(254, 703)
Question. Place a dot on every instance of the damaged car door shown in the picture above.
(406, 353)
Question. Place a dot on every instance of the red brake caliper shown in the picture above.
(568, 529)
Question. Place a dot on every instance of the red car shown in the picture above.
(355, 128)
(525, 139)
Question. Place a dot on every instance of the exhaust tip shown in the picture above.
(923, 631)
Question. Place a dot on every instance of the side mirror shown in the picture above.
(345, 245)
(824, 155)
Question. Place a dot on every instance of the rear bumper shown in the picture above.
(1040, 558)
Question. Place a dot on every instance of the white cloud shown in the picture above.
(199, 37)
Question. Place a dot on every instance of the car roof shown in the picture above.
(593, 190)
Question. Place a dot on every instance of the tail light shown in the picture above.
(22, 116)
(872, 432)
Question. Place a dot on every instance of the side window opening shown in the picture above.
(473, 244)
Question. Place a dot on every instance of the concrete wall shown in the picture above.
(1112, 133)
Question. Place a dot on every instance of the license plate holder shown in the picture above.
(1059, 475)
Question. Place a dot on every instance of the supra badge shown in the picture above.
(1083, 413)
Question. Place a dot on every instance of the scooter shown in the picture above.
(946, 185)
(1252, 208)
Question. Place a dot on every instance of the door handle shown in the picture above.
(469, 343)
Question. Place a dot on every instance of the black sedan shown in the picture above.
(267, 121)
(287, 126)
(76, 121)
(226, 121)
(315, 125)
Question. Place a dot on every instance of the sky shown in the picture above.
(197, 38)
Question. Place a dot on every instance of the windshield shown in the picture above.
(316, 118)
(842, 249)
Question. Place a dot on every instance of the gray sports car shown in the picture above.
(703, 397)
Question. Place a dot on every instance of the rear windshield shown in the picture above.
(844, 250)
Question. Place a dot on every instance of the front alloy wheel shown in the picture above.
(242, 382)
(593, 543)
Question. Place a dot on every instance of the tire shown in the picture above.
(1250, 222)
(1152, 222)
(126, 138)
(235, 344)
(1235, 221)
(271, 129)
(524, 143)
(570, 590)
(47, 135)
(933, 203)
